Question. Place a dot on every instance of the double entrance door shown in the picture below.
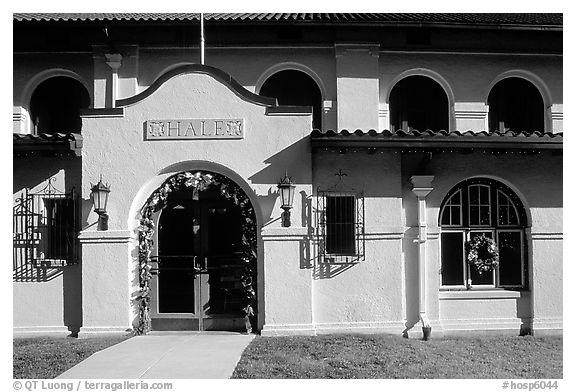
(197, 270)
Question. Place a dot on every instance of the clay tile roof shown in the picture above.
(495, 19)
(47, 143)
(457, 139)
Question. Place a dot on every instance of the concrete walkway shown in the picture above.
(169, 355)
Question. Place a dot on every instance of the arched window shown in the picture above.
(291, 87)
(418, 102)
(483, 206)
(515, 104)
(55, 105)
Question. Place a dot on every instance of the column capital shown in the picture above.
(114, 60)
(422, 185)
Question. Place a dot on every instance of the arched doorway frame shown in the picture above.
(536, 81)
(435, 76)
(40, 78)
(152, 184)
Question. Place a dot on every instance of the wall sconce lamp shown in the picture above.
(286, 187)
(99, 195)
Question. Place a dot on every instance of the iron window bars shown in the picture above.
(340, 227)
(45, 228)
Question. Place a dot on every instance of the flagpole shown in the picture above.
(202, 38)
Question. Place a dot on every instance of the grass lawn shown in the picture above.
(384, 356)
(48, 357)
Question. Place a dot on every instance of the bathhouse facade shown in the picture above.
(288, 173)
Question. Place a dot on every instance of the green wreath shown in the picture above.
(197, 182)
(482, 254)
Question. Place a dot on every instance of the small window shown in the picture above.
(507, 213)
(45, 229)
(479, 206)
(340, 227)
(476, 207)
(58, 230)
(452, 213)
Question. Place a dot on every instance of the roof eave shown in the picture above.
(436, 143)
(48, 147)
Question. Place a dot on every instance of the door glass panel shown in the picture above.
(485, 278)
(225, 264)
(452, 258)
(178, 226)
(510, 249)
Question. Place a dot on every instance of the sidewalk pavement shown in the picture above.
(165, 355)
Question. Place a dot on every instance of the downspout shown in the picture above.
(422, 186)
(202, 38)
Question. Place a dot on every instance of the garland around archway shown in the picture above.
(197, 182)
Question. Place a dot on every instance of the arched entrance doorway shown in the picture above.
(198, 255)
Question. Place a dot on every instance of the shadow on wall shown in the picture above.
(24, 271)
(33, 173)
(330, 270)
(27, 175)
(292, 161)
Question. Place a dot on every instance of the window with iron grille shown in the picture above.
(45, 229)
(340, 225)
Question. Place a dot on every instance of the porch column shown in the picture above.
(357, 81)
(114, 61)
(422, 186)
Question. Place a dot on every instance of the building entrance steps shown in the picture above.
(166, 355)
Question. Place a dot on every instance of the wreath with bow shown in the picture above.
(482, 254)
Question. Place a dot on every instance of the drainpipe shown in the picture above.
(114, 62)
(422, 186)
(202, 38)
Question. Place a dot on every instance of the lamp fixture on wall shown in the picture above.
(99, 195)
(286, 188)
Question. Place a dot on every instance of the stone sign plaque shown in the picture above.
(194, 129)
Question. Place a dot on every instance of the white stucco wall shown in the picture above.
(370, 293)
(537, 180)
(45, 299)
(115, 147)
